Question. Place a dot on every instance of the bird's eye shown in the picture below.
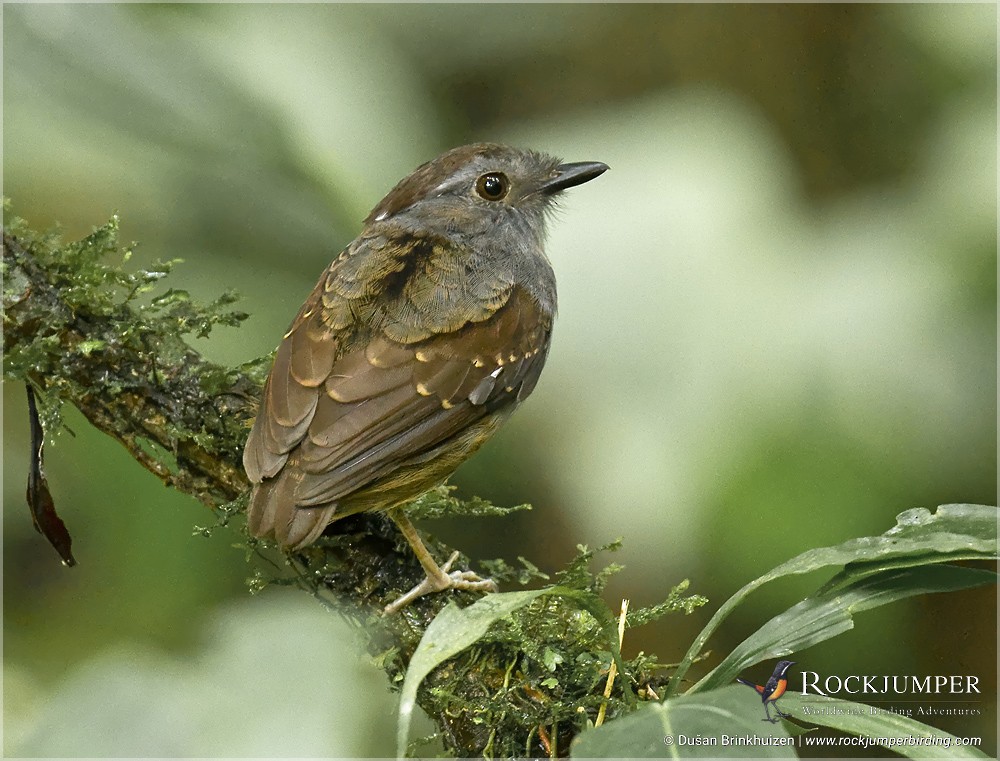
(493, 186)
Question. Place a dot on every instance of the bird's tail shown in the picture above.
(756, 687)
(272, 512)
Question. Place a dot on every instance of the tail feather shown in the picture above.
(273, 512)
(756, 687)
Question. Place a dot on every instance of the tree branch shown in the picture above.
(146, 394)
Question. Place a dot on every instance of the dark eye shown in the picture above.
(493, 186)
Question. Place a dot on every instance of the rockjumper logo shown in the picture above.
(905, 684)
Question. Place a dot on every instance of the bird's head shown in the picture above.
(483, 189)
(782, 667)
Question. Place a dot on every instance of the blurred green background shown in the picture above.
(777, 323)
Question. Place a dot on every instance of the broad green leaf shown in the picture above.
(953, 532)
(830, 612)
(960, 532)
(676, 728)
(893, 731)
(854, 572)
(455, 629)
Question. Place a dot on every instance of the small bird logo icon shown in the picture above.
(772, 690)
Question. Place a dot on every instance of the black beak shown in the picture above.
(570, 175)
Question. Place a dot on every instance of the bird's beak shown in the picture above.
(570, 175)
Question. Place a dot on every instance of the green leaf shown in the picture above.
(885, 728)
(86, 348)
(830, 612)
(455, 629)
(551, 659)
(953, 532)
(672, 729)
(172, 296)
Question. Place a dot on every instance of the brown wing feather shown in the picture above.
(397, 423)
(362, 391)
(290, 394)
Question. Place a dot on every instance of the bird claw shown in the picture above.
(471, 582)
(467, 581)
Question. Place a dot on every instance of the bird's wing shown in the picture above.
(387, 404)
(394, 355)
(770, 686)
(291, 392)
(778, 689)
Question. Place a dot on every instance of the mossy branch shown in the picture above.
(179, 415)
(83, 331)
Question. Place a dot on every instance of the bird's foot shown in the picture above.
(467, 581)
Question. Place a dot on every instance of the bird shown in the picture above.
(417, 343)
(772, 690)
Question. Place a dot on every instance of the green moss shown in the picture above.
(544, 669)
(676, 601)
(92, 279)
(440, 502)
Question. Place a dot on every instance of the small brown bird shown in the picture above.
(416, 344)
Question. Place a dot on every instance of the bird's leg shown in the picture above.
(438, 577)
(781, 713)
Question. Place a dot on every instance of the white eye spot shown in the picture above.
(496, 372)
